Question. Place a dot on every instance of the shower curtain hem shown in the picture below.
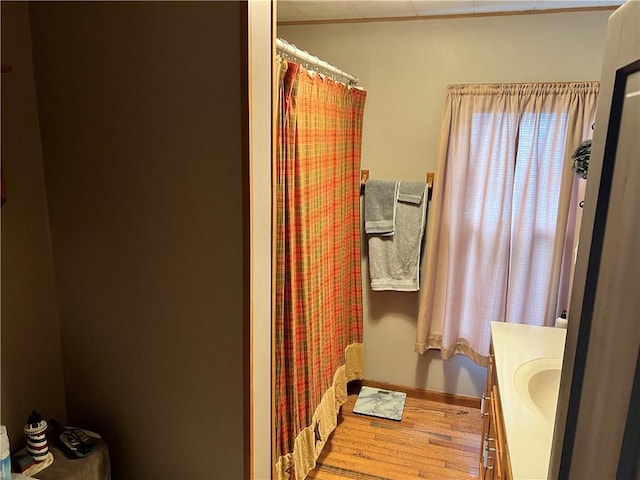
(311, 440)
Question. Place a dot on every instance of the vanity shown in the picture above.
(520, 400)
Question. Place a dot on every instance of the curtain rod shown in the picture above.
(288, 48)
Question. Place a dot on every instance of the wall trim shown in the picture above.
(445, 17)
(441, 397)
(247, 248)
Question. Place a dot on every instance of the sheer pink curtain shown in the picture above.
(501, 206)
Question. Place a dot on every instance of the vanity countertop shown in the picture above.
(528, 430)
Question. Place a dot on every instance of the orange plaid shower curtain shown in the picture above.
(318, 303)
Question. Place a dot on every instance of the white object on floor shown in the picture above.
(380, 403)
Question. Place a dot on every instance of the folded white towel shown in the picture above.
(394, 261)
(380, 207)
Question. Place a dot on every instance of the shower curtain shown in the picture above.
(318, 302)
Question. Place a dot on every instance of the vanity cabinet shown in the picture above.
(494, 454)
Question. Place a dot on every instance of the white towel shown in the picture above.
(394, 261)
(380, 207)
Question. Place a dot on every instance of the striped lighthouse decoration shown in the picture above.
(36, 439)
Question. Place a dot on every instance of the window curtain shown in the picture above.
(318, 298)
(502, 211)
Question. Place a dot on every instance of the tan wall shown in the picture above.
(31, 361)
(405, 67)
(141, 132)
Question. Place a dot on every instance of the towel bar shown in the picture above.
(364, 176)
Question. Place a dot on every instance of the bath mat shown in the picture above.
(380, 403)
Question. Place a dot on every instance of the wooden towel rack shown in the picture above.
(364, 176)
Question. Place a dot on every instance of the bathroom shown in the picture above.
(111, 355)
(405, 64)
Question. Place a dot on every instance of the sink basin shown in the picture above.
(537, 382)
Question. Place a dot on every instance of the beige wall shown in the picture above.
(405, 67)
(30, 352)
(140, 111)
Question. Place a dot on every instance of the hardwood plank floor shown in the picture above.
(434, 440)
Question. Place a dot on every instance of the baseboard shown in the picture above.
(449, 398)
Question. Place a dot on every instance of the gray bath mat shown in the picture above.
(380, 403)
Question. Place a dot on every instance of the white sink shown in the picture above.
(537, 382)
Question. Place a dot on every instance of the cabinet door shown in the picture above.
(603, 339)
(485, 411)
(498, 432)
(486, 454)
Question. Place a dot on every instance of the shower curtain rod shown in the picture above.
(291, 49)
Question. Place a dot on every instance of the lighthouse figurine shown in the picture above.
(36, 439)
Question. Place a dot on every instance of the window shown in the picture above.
(494, 252)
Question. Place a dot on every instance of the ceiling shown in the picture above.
(325, 10)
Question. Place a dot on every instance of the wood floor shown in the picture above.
(434, 440)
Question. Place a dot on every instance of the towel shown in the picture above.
(394, 261)
(380, 207)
